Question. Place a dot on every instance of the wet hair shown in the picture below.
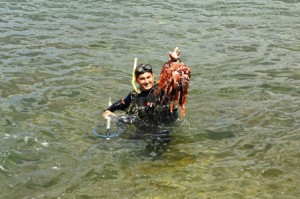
(143, 68)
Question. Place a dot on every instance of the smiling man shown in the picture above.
(145, 105)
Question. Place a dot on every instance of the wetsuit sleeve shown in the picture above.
(121, 104)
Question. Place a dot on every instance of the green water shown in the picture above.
(60, 61)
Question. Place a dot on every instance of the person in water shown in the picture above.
(152, 113)
(145, 105)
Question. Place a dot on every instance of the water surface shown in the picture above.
(61, 60)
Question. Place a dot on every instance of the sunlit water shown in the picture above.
(60, 61)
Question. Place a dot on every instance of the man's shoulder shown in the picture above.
(155, 86)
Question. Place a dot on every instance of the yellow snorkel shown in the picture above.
(133, 76)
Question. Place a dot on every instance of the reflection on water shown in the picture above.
(61, 61)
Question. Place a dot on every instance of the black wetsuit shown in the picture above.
(153, 115)
(147, 106)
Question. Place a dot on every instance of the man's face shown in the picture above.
(145, 81)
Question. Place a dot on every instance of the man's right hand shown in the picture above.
(108, 113)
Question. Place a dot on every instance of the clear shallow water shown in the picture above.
(60, 61)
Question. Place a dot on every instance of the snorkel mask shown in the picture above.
(143, 68)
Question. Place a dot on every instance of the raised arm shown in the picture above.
(175, 55)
